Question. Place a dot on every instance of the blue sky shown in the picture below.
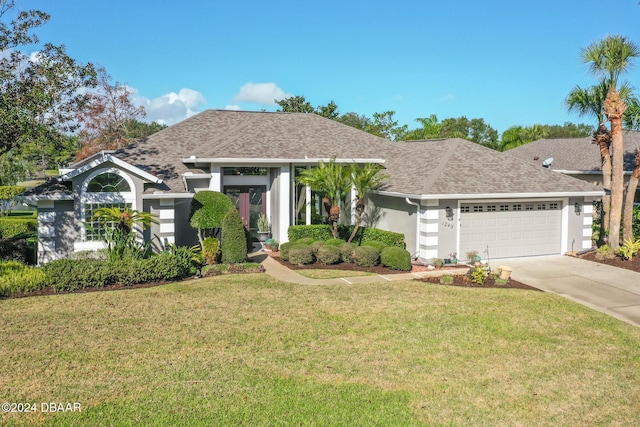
(510, 62)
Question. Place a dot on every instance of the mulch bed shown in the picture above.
(458, 279)
(632, 264)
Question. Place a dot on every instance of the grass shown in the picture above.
(313, 273)
(249, 350)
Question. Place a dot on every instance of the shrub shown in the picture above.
(335, 242)
(375, 244)
(438, 262)
(315, 246)
(472, 255)
(605, 252)
(477, 274)
(329, 254)
(301, 255)
(629, 249)
(284, 250)
(366, 256)
(447, 279)
(396, 258)
(346, 252)
(501, 282)
(316, 232)
(15, 250)
(306, 241)
(13, 227)
(234, 242)
(210, 250)
(389, 238)
(71, 275)
(208, 209)
(16, 278)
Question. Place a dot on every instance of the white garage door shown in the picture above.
(511, 229)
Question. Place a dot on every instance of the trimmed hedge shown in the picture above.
(335, 242)
(366, 256)
(329, 254)
(365, 234)
(396, 258)
(12, 227)
(17, 250)
(376, 244)
(346, 252)
(16, 278)
(234, 239)
(301, 255)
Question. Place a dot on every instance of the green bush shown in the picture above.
(389, 238)
(211, 250)
(306, 241)
(16, 278)
(234, 239)
(71, 275)
(346, 252)
(329, 254)
(335, 242)
(316, 232)
(13, 227)
(477, 274)
(366, 256)
(15, 249)
(376, 244)
(396, 258)
(284, 250)
(315, 246)
(301, 255)
(447, 279)
(208, 209)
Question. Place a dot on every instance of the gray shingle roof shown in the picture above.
(572, 154)
(247, 135)
(458, 166)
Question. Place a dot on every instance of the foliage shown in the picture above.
(516, 136)
(390, 238)
(107, 113)
(234, 241)
(375, 244)
(323, 232)
(263, 223)
(629, 249)
(329, 254)
(386, 126)
(121, 233)
(8, 195)
(16, 278)
(315, 246)
(208, 209)
(396, 258)
(477, 274)
(334, 242)
(636, 222)
(17, 249)
(364, 179)
(501, 282)
(70, 275)
(301, 255)
(472, 255)
(305, 241)
(211, 250)
(284, 250)
(346, 252)
(366, 256)
(446, 279)
(437, 262)
(314, 231)
(605, 252)
(38, 99)
(14, 227)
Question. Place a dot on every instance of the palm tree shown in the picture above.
(609, 58)
(333, 181)
(627, 217)
(365, 178)
(120, 225)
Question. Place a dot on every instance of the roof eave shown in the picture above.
(276, 161)
(595, 193)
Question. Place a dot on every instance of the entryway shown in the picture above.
(250, 202)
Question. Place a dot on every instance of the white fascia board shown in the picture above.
(191, 175)
(30, 200)
(595, 193)
(267, 161)
(120, 163)
(154, 196)
(569, 172)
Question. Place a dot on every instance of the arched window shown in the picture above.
(108, 182)
(106, 188)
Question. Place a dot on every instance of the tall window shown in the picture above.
(105, 189)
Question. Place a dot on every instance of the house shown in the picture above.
(445, 196)
(577, 157)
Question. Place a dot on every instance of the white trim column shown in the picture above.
(286, 205)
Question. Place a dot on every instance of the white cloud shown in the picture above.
(232, 107)
(170, 108)
(260, 93)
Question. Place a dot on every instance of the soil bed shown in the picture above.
(632, 264)
(464, 281)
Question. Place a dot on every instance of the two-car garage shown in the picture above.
(511, 229)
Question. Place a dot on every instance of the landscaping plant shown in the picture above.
(234, 240)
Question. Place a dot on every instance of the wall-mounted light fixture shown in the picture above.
(449, 213)
(577, 208)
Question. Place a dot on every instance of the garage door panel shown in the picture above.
(512, 233)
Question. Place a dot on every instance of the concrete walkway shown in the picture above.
(611, 290)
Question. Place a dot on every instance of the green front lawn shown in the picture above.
(249, 350)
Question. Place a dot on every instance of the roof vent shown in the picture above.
(547, 163)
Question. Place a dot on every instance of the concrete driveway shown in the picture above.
(611, 290)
